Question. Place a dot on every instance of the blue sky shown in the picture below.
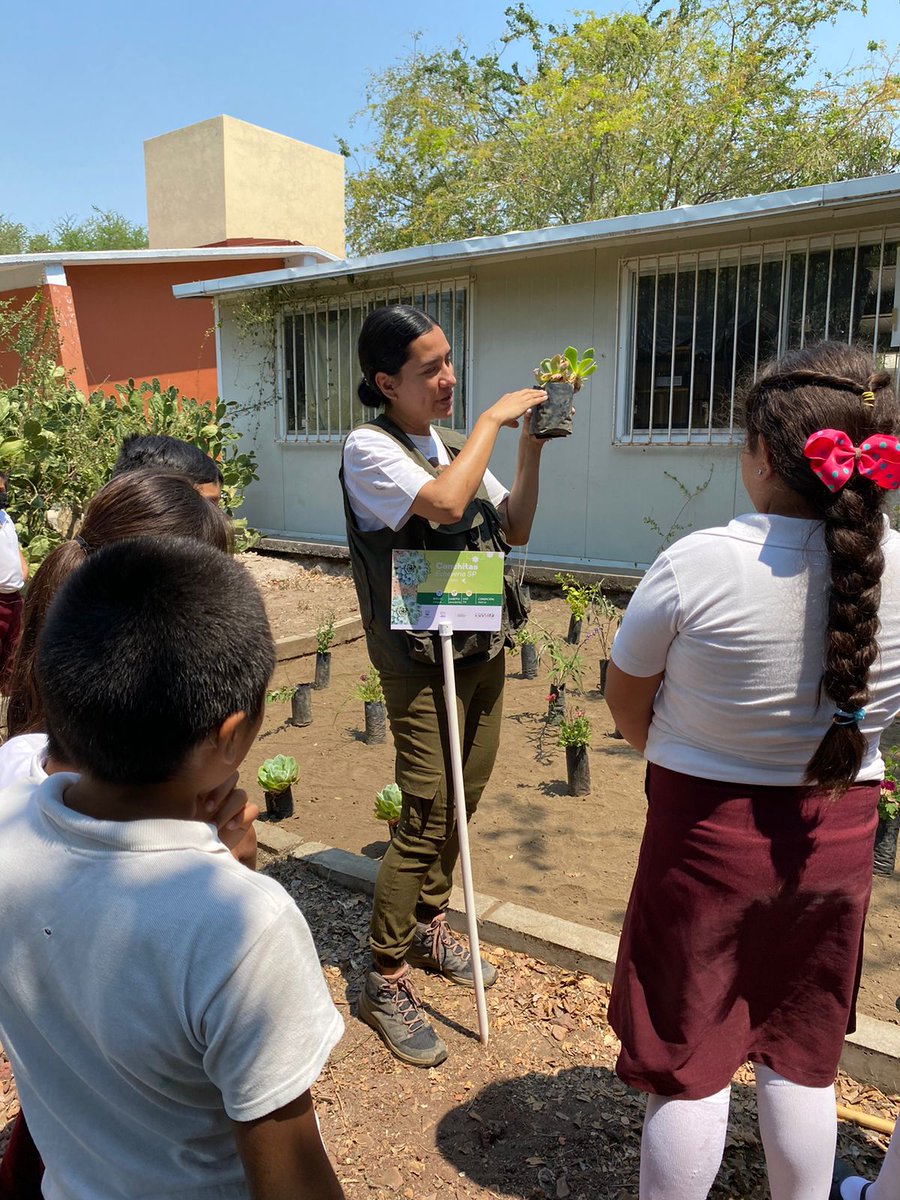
(85, 84)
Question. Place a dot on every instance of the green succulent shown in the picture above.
(388, 802)
(277, 774)
(568, 367)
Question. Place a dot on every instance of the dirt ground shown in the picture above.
(531, 842)
(536, 1114)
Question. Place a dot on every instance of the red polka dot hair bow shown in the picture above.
(833, 457)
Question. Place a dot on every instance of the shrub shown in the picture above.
(59, 448)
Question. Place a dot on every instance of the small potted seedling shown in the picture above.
(324, 639)
(300, 697)
(564, 667)
(560, 377)
(370, 691)
(388, 804)
(579, 598)
(888, 816)
(575, 736)
(607, 619)
(528, 646)
(276, 777)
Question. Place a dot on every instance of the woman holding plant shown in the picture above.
(756, 668)
(410, 484)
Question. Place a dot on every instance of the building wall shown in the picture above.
(131, 325)
(184, 171)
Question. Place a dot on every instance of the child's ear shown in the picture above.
(231, 737)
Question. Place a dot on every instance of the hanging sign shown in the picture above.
(464, 588)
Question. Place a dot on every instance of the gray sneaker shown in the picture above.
(436, 947)
(394, 1011)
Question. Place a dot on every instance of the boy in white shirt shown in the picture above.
(163, 1007)
(13, 573)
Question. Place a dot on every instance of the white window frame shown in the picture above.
(367, 298)
(631, 269)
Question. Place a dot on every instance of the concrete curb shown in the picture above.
(871, 1055)
(348, 629)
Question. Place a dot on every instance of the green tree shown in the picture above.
(105, 229)
(616, 114)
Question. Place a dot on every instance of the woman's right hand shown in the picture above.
(508, 409)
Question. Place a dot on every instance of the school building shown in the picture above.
(679, 306)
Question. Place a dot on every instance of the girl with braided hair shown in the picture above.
(756, 667)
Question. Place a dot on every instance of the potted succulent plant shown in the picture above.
(888, 816)
(560, 377)
(388, 804)
(575, 736)
(276, 777)
(370, 691)
(324, 639)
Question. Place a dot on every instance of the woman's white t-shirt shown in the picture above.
(382, 480)
(736, 618)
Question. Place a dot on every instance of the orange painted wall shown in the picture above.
(9, 363)
(132, 326)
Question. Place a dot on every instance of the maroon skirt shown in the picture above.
(743, 934)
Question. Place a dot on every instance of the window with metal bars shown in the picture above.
(696, 324)
(320, 369)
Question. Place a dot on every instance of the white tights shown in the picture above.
(683, 1141)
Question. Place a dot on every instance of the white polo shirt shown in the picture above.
(151, 989)
(736, 618)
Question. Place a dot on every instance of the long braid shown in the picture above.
(831, 385)
(854, 528)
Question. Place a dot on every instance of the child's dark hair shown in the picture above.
(140, 504)
(822, 387)
(384, 346)
(159, 452)
(145, 651)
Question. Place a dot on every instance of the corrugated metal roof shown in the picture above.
(562, 237)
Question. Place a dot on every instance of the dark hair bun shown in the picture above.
(372, 397)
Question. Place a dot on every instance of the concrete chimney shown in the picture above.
(224, 180)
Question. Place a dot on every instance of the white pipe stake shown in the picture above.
(459, 801)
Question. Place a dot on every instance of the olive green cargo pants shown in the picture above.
(417, 871)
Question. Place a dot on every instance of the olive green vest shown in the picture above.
(400, 652)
